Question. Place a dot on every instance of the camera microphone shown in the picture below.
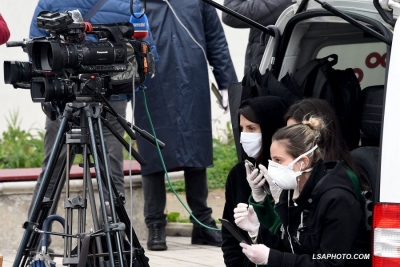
(140, 25)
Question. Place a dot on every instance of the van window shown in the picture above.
(368, 61)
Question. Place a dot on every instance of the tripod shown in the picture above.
(81, 131)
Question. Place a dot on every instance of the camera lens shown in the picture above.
(46, 52)
(17, 72)
(49, 89)
(53, 56)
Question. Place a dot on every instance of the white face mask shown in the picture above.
(251, 143)
(284, 176)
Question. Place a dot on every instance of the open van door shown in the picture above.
(386, 212)
(390, 145)
(389, 10)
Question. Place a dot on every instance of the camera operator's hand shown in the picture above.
(256, 181)
(275, 190)
(256, 253)
(246, 219)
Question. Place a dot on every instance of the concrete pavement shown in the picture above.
(180, 253)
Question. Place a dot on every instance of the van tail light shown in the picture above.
(386, 235)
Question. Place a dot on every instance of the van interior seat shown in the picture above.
(366, 159)
(371, 115)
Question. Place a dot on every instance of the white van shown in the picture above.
(310, 31)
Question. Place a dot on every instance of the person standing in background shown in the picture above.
(265, 12)
(112, 11)
(187, 35)
(4, 31)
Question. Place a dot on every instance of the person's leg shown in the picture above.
(196, 196)
(197, 192)
(154, 206)
(114, 147)
(51, 128)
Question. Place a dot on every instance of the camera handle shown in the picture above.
(128, 126)
(84, 140)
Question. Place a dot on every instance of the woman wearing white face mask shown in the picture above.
(318, 206)
(259, 119)
(335, 149)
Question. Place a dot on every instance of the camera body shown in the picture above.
(66, 66)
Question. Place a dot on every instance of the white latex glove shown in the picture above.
(256, 181)
(275, 190)
(246, 219)
(256, 253)
(225, 99)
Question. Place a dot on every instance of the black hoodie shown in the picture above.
(325, 223)
(270, 111)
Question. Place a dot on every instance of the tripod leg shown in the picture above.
(55, 196)
(123, 217)
(68, 214)
(54, 199)
(92, 201)
(120, 209)
(108, 184)
(42, 189)
(88, 114)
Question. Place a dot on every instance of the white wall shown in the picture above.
(18, 15)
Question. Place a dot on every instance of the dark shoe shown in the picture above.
(204, 236)
(156, 240)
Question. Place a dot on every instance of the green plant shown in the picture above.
(20, 148)
(175, 217)
(224, 158)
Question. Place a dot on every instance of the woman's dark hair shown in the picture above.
(336, 148)
(268, 112)
(247, 112)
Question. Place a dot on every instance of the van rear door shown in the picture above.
(390, 144)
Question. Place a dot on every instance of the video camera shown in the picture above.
(65, 66)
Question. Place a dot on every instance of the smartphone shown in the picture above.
(234, 231)
(252, 168)
(217, 94)
(251, 165)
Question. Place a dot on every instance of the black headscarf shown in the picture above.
(269, 111)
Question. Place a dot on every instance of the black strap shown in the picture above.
(322, 76)
(302, 74)
(94, 10)
(319, 84)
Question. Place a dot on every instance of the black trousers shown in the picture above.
(196, 196)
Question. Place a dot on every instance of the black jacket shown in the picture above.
(332, 223)
(265, 12)
(269, 111)
(237, 190)
(178, 96)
